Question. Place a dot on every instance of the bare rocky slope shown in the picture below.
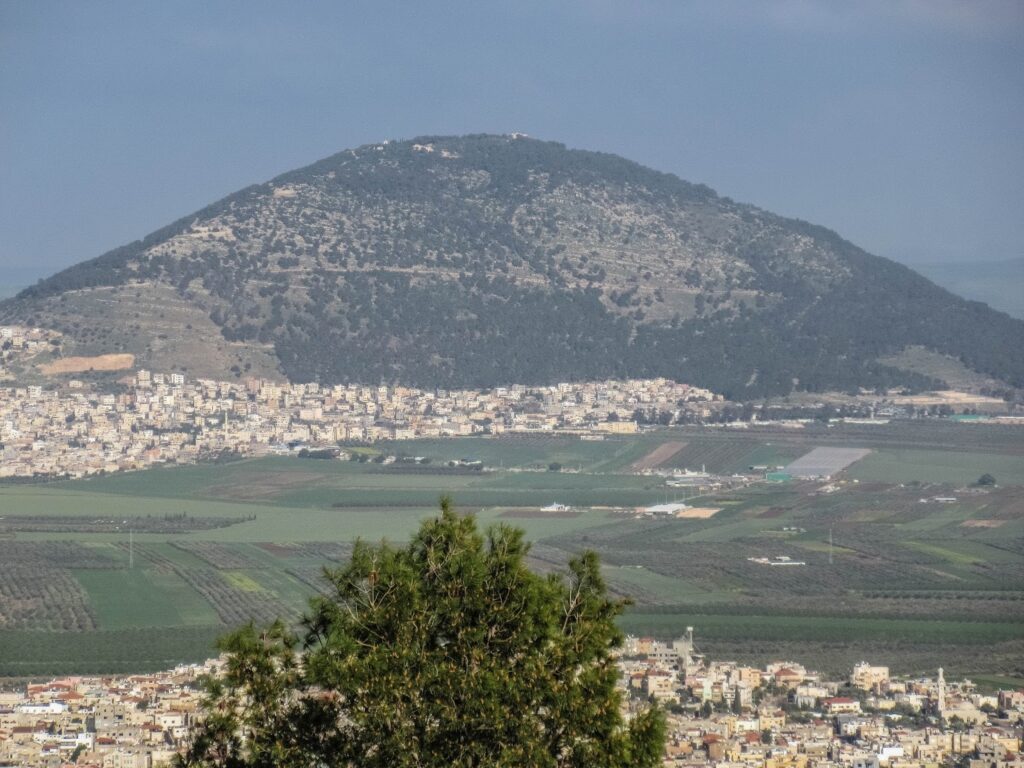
(480, 260)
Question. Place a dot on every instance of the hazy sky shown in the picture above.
(899, 124)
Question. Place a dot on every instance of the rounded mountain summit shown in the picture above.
(482, 260)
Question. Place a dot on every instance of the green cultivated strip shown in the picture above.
(647, 586)
(124, 599)
(826, 629)
(997, 682)
(127, 650)
(955, 468)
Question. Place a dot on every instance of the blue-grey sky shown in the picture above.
(899, 123)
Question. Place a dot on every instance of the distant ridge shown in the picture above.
(480, 260)
(1000, 284)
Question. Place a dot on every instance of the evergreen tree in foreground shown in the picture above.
(446, 652)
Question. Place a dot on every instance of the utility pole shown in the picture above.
(131, 549)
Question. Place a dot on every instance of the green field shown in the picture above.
(105, 651)
(144, 598)
(905, 583)
(946, 553)
(824, 629)
(998, 682)
(954, 468)
(292, 483)
(651, 587)
(608, 455)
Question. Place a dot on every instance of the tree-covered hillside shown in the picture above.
(479, 260)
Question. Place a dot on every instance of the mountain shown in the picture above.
(480, 260)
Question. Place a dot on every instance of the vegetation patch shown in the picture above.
(242, 581)
(958, 468)
(123, 599)
(943, 552)
(42, 597)
(24, 653)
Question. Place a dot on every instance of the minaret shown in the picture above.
(941, 696)
(684, 648)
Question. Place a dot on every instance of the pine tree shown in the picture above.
(446, 652)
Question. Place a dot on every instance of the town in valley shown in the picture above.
(780, 715)
(64, 427)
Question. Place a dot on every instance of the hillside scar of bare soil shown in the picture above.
(117, 362)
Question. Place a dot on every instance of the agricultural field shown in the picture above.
(952, 467)
(534, 452)
(728, 453)
(140, 570)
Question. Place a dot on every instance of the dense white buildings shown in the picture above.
(719, 713)
(784, 716)
(158, 418)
